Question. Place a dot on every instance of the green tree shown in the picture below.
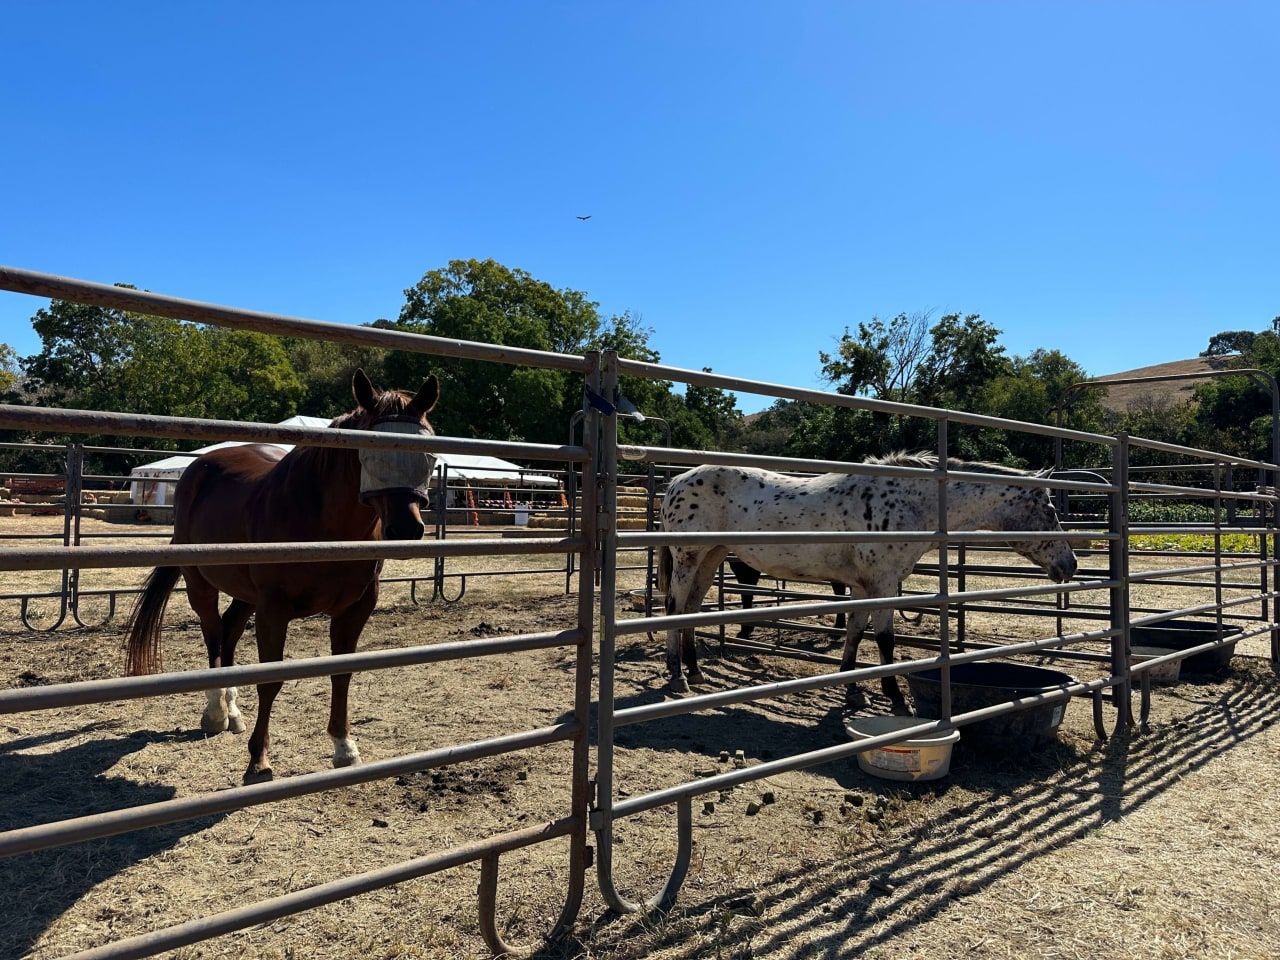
(326, 368)
(1031, 390)
(484, 301)
(99, 359)
(964, 357)
(1234, 413)
(1228, 342)
(768, 432)
(10, 369)
(82, 346)
(947, 365)
(717, 410)
(881, 360)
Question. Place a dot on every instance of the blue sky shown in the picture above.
(1098, 178)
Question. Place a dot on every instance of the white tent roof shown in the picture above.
(460, 466)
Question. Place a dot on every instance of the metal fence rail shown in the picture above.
(592, 550)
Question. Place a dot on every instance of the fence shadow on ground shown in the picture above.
(865, 897)
(44, 783)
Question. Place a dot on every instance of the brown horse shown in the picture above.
(255, 493)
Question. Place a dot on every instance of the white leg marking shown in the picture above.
(214, 719)
(345, 752)
(235, 722)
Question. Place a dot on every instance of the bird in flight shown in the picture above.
(587, 217)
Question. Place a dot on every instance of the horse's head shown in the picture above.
(1031, 509)
(395, 482)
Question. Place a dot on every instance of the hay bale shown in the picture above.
(39, 498)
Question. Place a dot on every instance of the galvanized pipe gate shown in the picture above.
(595, 805)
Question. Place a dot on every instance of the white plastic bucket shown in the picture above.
(923, 757)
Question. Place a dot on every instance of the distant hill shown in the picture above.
(1125, 396)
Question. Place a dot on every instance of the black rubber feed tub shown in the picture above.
(978, 685)
(1185, 634)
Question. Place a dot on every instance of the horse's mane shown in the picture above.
(925, 460)
(390, 403)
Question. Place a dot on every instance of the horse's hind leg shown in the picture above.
(203, 597)
(344, 633)
(233, 624)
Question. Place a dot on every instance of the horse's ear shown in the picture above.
(362, 387)
(425, 399)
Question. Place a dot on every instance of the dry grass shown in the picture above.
(1144, 846)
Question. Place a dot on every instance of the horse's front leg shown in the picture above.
(853, 696)
(675, 644)
(882, 623)
(271, 626)
(691, 578)
(344, 633)
(748, 577)
(681, 649)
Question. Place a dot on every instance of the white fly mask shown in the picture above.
(384, 470)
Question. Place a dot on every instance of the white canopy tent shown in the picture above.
(152, 483)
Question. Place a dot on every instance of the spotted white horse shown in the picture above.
(732, 499)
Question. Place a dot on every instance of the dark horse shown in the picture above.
(256, 493)
(749, 576)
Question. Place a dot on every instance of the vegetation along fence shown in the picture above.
(967, 578)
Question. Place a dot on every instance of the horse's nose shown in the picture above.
(1062, 572)
(404, 528)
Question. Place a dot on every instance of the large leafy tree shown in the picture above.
(964, 356)
(1228, 342)
(1234, 413)
(484, 301)
(946, 365)
(326, 368)
(103, 359)
(882, 359)
(1031, 390)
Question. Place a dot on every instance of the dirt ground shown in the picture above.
(1147, 845)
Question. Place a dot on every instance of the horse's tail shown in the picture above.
(142, 650)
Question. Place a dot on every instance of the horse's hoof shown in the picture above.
(679, 685)
(260, 775)
(346, 755)
(215, 725)
(696, 677)
(235, 725)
